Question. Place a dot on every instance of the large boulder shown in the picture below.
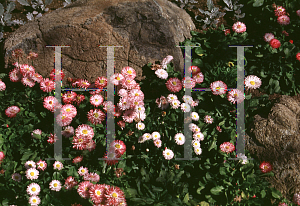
(276, 139)
(148, 30)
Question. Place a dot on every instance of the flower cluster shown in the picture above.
(197, 136)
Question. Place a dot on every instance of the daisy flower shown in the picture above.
(96, 116)
(265, 167)
(97, 193)
(30, 164)
(227, 147)
(53, 74)
(33, 189)
(198, 150)
(36, 77)
(239, 27)
(123, 93)
(57, 165)
(118, 146)
(63, 119)
(195, 103)
(185, 107)
(196, 129)
(32, 174)
(12, 111)
(113, 196)
(172, 97)
(174, 85)
(192, 126)
(199, 78)
(283, 20)
(116, 78)
(157, 143)
(15, 75)
(50, 103)
(96, 100)
(108, 106)
(25, 69)
(175, 104)
(147, 136)
(279, 11)
(161, 73)
(69, 97)
(16, 177)
(128, 83)
(70, 182)
(179, 139)
(140, 126)
(137, 93)
(83, 83)
(168, 154)
(194, 70)
(129, 116)
(34, 200)
(79, 142)
(70, 110)
(83, 171)
(188, 82)
(112, 158)
(195, 116)
(128, 72)
(68, 131)
(37, 132)
(47, 85)
(27, 81)
(155, 135)
(41, 165)
(94, 177)
(236, 96)
(187, 99)
(140, 109)
(85, 131)
(55, 185)
(199, 135)
(208, 119)
(252, 82)
(124, 103)
(244, 158)
(2, 86)
(218, 87)
(196, 144)
(101, 82)
(135, 102)
(77, 159)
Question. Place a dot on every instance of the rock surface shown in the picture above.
(148, 30)
(276, 139)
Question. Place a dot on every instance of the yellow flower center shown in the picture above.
(136, 94)
(80, 140)
(128, 81)
(118, 146)
(47, 83)
(168, 153)
(252, 82)
(34, 200)
(114, 195)
(32, 173)
(218, 88)
(174, 83)
(96, 115)
(98, 192)
(69, 95)
(117, 78)
(84, 131)
(96, 100)
(129, 72)
(50, 102)
(235, 95)
(57, 165)
(30, 165)
(33, 189)
(41, 164)
(179, 138)
(83, 170)
(68, 110)
(102, 81)
(86, 189)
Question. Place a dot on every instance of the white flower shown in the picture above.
(157, 143)
(185, 107)
(199, 135)
(168, 154)
(198, 150)
(195, 116)
(33, 189)
(32, 174)
(196, 144)
(192, 126)
(58, 165)
(155, 135)
(55, 185)
(179, 138)
(147, 136)
(140, 126)
(252, 82)
(30, 164)
(208, 119)
(268, 37)
(171, 97)
(175, 104)
(34, 200)
(244, 158)
(139, 109)
(187, 99)
(161, 73)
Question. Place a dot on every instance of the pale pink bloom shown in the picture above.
(70, 110)
(37, 77)
(208, 119)
(136, 102)
(239, 27)
(136, 93)
(12, 111)
(195, 116)
(32, 174)
(90, 146)
(83, 171)
(68, 131)
(34, 200)
(179, 139)
(140, 126)
(198, 78)
(123, 93)
(15, 75)
(192, 126)
(55, 185)
(85, 131)
(41, 165)
(2, 86)
(175, 104)
(155, 135)
(174, 85)
(268, 37)
(166, 61)
(96, 116)
(94, 177)
(128, 72)
(129, 115)
(187, 99)
(33, 189)
(236, 96)
(140, 109)
(101, 82)
(196, 129)
(218, 87)
(58, 165)
(63, 119)
(227, 147)
(196, 144)
(172, 97)
(30, 164)
(168, 154)
(108, 106)
(198, 150)
(47, 85)
(27, 80)
(195, 103)
(185, 107)
(124, 103)
(50, 103)
(188, 82)
(128, 83)
(83, 83)
(157, 143)
(199, 135)
(161, 73)
(96, 100)
(252, 82)
(283, 20)
(141, 116)
(116, 78)
(37, 131)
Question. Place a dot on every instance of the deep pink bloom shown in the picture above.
(275, 44)
(265, 167)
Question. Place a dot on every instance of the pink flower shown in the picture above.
(64, 119)
(128, 83)
(15, 75)
(77, 159)
(227, 147)
(83, 83)
(101, 82)
(166, 61)
(27, 80)
(79, 142)
(25, 69)
(41, 165)
(2, 86)
(69, 97)
(112, 157)
(97, 193)
(283, 20)
(37, 77)
(198, 78)
(218, 88)
(114, 196)
(121, 124)
(239, 27)
(12, 111)
(265, 167)
(128, 73)
(188, 82)
(194, 70)
(226, 32)
(70, 182)
(298, 12)
(96, 116)
(85, 131)
(298, 56)
(50, 103)
(129, 115)
(116, 78)
(174, 85)
(208, 119)
(47, 85)
(235, 96)
(279, 11)
(52, 74)
(96, 100)
(268, 37)
(161, 73)
(2, 156)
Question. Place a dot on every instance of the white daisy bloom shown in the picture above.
(185, 107)
(58, 165)
(172, 97)
(139, 109)
(168, 154)
(147, 136)
(175, 104)
(33, 189)
(55, 185)
(195, 144)
(187, 99)
(155, 135)
(34, 200)
(32, 174)
(195, 116)
(244, 158)
(192, 126)
(198, 135)
(157, 143)
(198, 150)
(30, 164)
(179, 138)
(140, 126)
(196, 129)
(252, 82)
(161, 73)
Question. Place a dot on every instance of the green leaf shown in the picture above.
(5, 202)
(259, 55)
(26, 156)
(199, 51)
(23, 2)
(186, 198)
(263, 193)
(216, 190)
(199, 189)
(213, 145)
(173, 117)
(258, 3)
(276, 193)
(222, 171)
(197, 62)
(143, 171)
(286, 52)
(203, 203)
